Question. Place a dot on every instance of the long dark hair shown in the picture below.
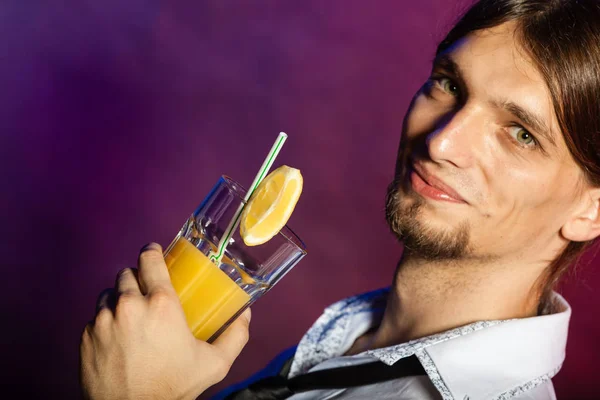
(563, 38)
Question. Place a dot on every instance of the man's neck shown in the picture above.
(432, 297)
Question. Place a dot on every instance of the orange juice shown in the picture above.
(208, 295)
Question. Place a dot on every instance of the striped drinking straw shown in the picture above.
(216, 257)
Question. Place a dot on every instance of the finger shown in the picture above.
(106, 299)
(153, 272)
(85, 354)
(127, 282)
(232, 341)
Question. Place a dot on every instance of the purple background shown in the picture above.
(119, 116)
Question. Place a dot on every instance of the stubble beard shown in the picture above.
(420, 240)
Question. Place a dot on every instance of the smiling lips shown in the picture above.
(429, 186)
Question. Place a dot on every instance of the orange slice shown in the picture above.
(271, 205)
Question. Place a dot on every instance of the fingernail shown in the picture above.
(104, 299)
(149, 246)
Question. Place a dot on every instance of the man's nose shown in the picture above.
(457, 137)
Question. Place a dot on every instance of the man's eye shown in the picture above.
(448, 86)
(522, 137)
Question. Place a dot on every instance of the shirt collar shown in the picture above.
(517, 353)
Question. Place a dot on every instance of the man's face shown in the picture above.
(484, 131)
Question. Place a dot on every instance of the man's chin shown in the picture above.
(422, 236)
(434, 244)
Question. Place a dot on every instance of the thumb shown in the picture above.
(232, 341)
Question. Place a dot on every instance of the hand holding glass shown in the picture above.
(214, 296)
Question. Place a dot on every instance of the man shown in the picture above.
(496, 191)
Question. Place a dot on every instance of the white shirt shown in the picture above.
(500, 360)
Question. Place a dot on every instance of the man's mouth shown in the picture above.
(428, 185)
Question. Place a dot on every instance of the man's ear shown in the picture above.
(584, 224)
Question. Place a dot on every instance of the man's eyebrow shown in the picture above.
(529, 118)
(444, 61)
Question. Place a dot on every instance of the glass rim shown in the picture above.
(287, 232)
